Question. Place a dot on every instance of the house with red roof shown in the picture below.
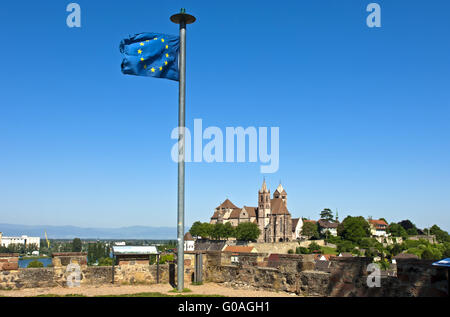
(378, 228)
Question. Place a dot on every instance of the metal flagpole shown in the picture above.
(182, 19)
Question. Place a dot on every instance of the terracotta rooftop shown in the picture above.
(188, 237)
(251, 211)
(238, 249)
(326, 256)
(235, 213)
(279, 207)
(378, 222)
(227, 204)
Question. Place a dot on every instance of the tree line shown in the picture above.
(245, 231)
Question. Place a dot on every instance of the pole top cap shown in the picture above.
(182, 17)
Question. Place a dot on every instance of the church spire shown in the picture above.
(264, 186)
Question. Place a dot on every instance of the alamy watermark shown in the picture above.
(374, 18)
(374, 278)
(74, 18)
(229, 147)
(74, 275)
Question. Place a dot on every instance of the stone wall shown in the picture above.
(343, 277)
(9, 261)
(283, 247)
(128, 272)
(298, 274)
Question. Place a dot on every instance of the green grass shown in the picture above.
(185, 290)
(328, 250)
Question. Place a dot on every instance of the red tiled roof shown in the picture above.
(279, 207)
(312, 221)
(188, 237)
(378, 222)
(251, 211)
(238, 248)
(326, 256)
(227, 204)
(235, 213)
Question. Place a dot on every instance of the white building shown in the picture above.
(297, 225)
(328, 226)
(23, 240)
(189, 242)
(378, 228)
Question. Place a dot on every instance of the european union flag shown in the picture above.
(151, 54)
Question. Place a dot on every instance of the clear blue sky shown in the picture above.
(363, 113)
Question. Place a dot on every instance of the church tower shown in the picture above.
(280, 193)
(263, 208)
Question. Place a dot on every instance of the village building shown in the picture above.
(378, 228)
(271, 215)
(328, 226)
(297, 226)
(189, 242)
(22, 240)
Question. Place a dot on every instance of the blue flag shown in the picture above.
(151, 54)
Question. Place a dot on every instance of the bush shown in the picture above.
(290, 251)
(302, 250)
(35, 264)
(166, 258)
(105, 262)
(314, 247)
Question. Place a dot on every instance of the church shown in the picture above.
(271, 215)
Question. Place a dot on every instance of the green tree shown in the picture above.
(326, 214)
(397, 230)
(441, 235)
(228, 231)
(410, 228)
(311, 230)
(206, 230)
(35, 264)
(354, 229)
(247, 231)
(196, 229)
(76, 245)
(218, 231)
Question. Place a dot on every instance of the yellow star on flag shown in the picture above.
(142, 44)
(142, 59)
(167, 55)
(153, 70)
(160, 67)
(139, 51)
(165, 63)
(162, 40)
(167, 46)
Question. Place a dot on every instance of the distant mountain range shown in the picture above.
(70, 232)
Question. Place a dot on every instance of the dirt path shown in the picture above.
(206, 289)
